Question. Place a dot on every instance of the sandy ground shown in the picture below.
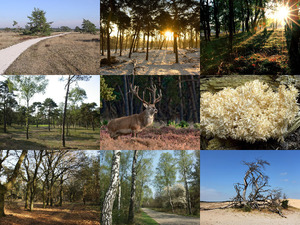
(10, 54)
(171, 219)
(161, 62)
(237, 217)
(294, 202)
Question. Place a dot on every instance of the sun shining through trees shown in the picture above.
(250, 37)
(168, 34)
(281, 14)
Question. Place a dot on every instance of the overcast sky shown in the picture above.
(61, 12)
(219, 170)
(56, 91)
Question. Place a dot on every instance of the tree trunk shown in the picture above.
(130, 51)
(180, 97)
(294, 54)
(108, 34)
(216, 17)
(4, 118)
(133, 187)
(191, 86)
(121, 41)
(2, 195)
(27, 120)
(170, 199)
(27, 195)
(65, 113)
(61, 191)
(188, 199)
(117, 41)
(125, 95)
(148, 37)
(11, 181)
(231, 23)
(102, 41)
(106, 217)
(49, 119)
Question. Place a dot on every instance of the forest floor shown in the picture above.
(259, 53)
(65, 215)
(74, 53)
(40, 138)
(161, 62)
(164, 138)
(236, 216)
(171, 219)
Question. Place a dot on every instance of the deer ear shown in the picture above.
(145, 105)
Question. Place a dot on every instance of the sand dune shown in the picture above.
(237, 217)
(294, 202)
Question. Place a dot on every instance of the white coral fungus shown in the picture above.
(251, 112)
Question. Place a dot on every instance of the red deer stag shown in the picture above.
(135, 123)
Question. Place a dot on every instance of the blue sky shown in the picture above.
(219, 170)
(155, 155)
(56, 89)
(61, 12)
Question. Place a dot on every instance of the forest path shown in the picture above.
(171, 219)
(10, 54)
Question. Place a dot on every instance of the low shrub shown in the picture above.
(284, 204)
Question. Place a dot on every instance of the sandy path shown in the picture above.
(231, 217)
(10, 54)
(171, 219)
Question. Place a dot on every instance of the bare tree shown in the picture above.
(253, 193)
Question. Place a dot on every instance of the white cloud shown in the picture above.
(283, 174)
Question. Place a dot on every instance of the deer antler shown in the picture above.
(153, 90)
(135, 91)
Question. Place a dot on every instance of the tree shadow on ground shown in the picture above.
(13, 144)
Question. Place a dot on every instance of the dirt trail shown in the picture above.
(10, 54)
(171, 219)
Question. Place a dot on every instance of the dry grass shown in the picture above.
(41, 138)
(165, 138)
(11, 38)
(69, 54)
(65, 215)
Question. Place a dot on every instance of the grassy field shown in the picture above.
(40, 138)
(259, 53)
(141, 218)
(65, 215)
(73, 53)
(163, 138)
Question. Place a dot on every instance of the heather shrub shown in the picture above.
(251, 112)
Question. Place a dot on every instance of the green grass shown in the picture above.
(268, 47)
(141, 218)
(41, 138)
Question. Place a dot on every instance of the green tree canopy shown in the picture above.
(88, 27)
(106, 93)
(38, 23)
